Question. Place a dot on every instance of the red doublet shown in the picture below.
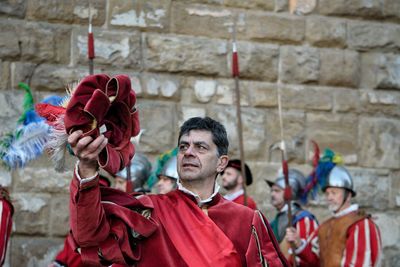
(120, 229)
(250, 202)
(6, 212)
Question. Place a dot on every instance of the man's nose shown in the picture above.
(189, 151)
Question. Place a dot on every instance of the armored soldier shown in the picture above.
(303, 221)
(168, 177)
(140, 170)
(348, 238)
(232, 181)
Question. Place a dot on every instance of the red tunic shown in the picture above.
(120, 229)
(6, 212)
(362, 248)
(250, 202)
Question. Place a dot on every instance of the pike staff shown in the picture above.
(285, 170)
(235, 75)
(91, 54)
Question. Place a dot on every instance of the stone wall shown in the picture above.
(337, 64)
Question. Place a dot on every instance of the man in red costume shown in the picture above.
(232, 181)
(6, 213)
(192, 226)
(348, 238)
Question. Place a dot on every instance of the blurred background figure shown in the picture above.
(303, 221)
(232, 181)
(168, 177)
(140, 169)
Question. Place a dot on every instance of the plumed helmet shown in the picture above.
(140, 170)
(170, 169)
(340, 177)
(297, 182)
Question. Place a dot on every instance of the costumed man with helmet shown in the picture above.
(140, 169)
(304, 222)
(232, 181)
(168, 177)
(349, 237)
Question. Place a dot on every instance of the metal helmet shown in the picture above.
(340, 177)
(170, 169)
(140, 170)
(297, 182)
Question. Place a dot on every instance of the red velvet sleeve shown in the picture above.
(263, 247)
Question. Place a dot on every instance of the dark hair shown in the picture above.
(218, 132)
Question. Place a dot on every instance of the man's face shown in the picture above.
(198, 157)
(120, 183)
(165, 184)
(277, 197)
(230, 178)
(335, 197)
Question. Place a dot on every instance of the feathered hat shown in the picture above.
(159, 165)
(28, 140)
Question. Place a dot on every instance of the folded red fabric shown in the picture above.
(104, 105)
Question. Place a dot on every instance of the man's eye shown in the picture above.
(182, 147)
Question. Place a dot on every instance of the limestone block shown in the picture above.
(161, 124)
(35, 42)
(293, 135)
(191, 111)
(8, 41)
(268, 26)
(10, 109)
(263, 94)
(252, 4)
(33, 213)
(205, 90)
(143, 14)
(346, 100)
(379, 143)
(5, 177)
(336, 131)
(365, 36)
(5, 75)
(386, 102)
(201, 20)
(35, 178)
(299, 64)
(59, 220)
(372, 187)
(394, 190)
(226, 92)
(325, 32)
(161, 85)
(340, 68)
(306, 97)
(185, 54)
(254, 132)
(49, 77)
(111, 48)
(15, 8)
(391, 8)
(389, 226)
(380, 71)
(257, 61)
(67, 12)
(362, 8)
(281, 5)
(32, 252)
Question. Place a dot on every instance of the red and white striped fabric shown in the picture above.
(305, 227)
(6, 211)
(363, 247)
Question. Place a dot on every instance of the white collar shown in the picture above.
(200, 202)
(352, 208)
(234, 195)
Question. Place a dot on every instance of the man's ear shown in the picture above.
(222, 163)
